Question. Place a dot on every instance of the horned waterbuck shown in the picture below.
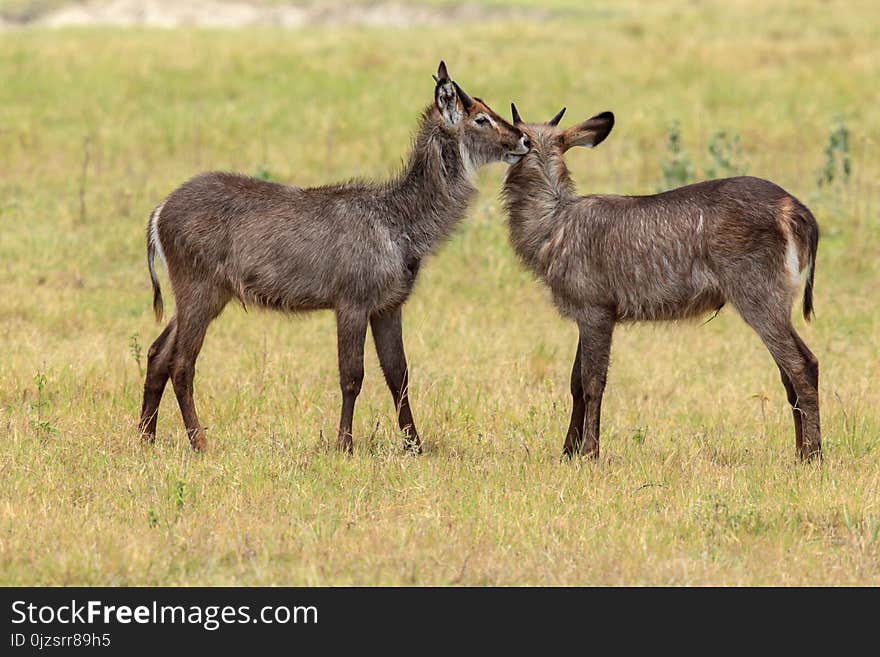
(354, 248)
(668, 256)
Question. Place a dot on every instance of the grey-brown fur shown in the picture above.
(675, 255)
(355, 248)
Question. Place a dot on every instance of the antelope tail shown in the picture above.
(813, 236)
(154, 246)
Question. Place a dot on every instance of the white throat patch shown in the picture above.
(469, 168)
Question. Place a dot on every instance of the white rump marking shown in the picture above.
(154, 232)
(791, 262)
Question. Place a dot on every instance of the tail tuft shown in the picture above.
(808, 288)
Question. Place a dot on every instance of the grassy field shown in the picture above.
(698, 481)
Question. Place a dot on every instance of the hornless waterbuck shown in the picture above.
(354, 248)
(668, 256)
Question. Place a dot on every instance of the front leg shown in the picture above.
(596, 327)
(388, 336)
(351, 331)
(576, 426)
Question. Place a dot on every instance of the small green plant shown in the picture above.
(838, 165)
(725, 156)
(263, 173)
(40, 382)
(639, 434)
(44, 427)
(152, 518)
(136, 350)
(677, 167)
(179, 494)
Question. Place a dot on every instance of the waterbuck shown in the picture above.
(354, 248)
(669, 256)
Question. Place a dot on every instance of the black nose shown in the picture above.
(526, 142)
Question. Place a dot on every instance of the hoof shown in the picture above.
(345, 444)
(199, 441)
(584, 450)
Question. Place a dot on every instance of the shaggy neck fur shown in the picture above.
(432, 193)
(535, 192)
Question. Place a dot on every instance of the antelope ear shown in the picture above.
(591, 132)
(450, 99)
(466, 100)
(442, 73)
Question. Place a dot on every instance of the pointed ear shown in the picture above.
(450, 99)
(466, 100)
(446, 100)
(591, 132)
(442, 73)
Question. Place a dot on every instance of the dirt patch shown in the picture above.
(231, 14)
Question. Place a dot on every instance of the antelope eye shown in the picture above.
(482, 120)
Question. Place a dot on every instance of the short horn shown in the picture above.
(517, 119)
(466, 100)
(556, 119)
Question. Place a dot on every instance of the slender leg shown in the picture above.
(798, 365)
(578, 408)
(183, 368)
(812, 443)
(799, 369)
(811, 361)
(388, 336)
(195, 311)
(158, 371)
(351, 332)
(795, 411)
(597, 327)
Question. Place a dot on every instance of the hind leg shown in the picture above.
(812, 361)
(803, 395)
(192, 324)
(799, 370)
(158, 371)
(795, 412)
(812, 442)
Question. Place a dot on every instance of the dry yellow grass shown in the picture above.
(698, 481)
